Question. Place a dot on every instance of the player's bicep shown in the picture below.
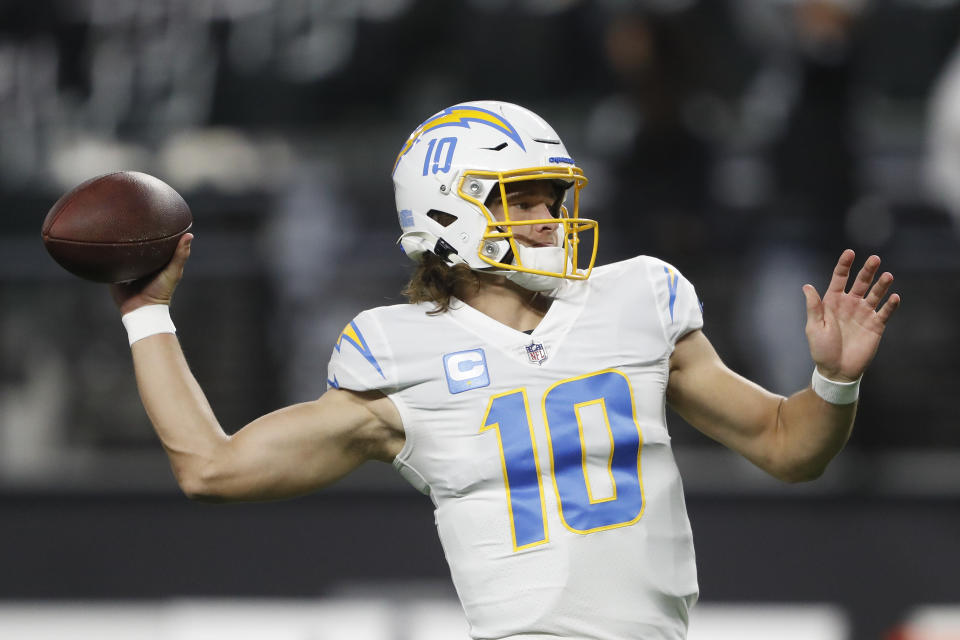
(303, 447)
(719, 402)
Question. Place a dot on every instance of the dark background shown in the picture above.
(745, 141)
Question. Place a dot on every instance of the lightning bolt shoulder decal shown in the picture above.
(352, 335)
(672, 280)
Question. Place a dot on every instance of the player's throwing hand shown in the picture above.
(844, 328)
(157, 288)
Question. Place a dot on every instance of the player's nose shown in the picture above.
(543, 212)
(544, 232)
(546, 227)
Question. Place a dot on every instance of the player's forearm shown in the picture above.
(810, 433)
(178, 409)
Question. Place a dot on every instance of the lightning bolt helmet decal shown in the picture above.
(461, 116)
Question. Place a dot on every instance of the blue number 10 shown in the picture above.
(442, 155)
(580, 512)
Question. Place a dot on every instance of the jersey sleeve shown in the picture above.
(361, 359)
(677, 302)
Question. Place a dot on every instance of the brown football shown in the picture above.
(116, 227)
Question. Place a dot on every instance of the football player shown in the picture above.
(523, 390)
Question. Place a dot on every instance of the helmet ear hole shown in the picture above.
(442, 217)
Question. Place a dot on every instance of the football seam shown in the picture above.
(118, 244)
(66, 205)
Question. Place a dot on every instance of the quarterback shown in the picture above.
(524, 390)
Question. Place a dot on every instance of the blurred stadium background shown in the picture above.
(745, 141)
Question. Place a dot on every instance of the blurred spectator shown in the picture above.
(657, 163)
(943, 140)
(307, 242)
(808, 148)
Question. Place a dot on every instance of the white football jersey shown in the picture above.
(558, 501)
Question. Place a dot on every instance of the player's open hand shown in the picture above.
(157, 288)
(844, 328)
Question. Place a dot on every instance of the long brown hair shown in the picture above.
(434, 281)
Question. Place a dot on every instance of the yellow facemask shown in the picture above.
(568, 267)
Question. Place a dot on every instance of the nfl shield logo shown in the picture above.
(536, 353)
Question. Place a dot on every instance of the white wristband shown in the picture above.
(835, 392)
(147, 321)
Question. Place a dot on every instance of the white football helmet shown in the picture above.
(449, 166)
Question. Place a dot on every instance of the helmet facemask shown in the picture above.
(535, 268)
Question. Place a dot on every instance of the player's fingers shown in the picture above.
(814, 304)
(891, 305)
(879, 289)
(862, 283)
(182, 251)
(838, 283)
(184, 245)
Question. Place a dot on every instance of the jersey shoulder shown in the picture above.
(363, 356)
(658, 285)
(635, 265)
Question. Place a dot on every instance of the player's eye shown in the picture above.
(526, 204)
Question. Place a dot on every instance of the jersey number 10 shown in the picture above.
(509, 414)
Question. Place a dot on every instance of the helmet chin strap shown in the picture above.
(550, 259)
(542, 259)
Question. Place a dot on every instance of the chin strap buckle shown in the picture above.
(444, 249)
